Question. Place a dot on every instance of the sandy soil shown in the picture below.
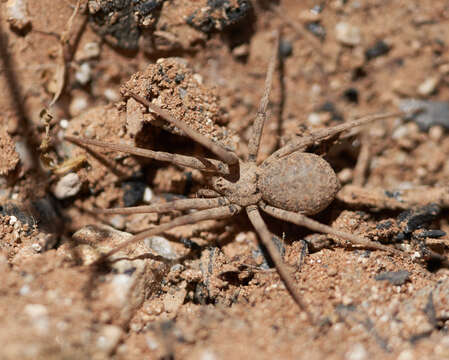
(206, 291)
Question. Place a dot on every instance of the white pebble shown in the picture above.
(118, 222)
(428, 86)
(109, 337)
(406, 355)
(12, 220)
(400, 132)
(38, 315)
(24, 290)
(161, 246)
(348, 34)
(67, 186)
(64, 123)
(198, 78)
(111, 95)
(78, 105)
(357, 352)
(91, 50)
(83, 74)
(17, 12)
(147, 195)
(314, 119)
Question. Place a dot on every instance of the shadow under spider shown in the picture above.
(289, 185)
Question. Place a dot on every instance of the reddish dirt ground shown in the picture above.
(206, 291)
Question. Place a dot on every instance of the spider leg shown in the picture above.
(302, 220)
(182, 204)
(225, 155)
(203, 164)
(301, 143)
(221, 212)
(207, 193)
(265, 238)
(253, 146)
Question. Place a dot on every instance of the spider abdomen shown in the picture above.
(300, 182)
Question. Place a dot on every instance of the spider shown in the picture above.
(289, 185)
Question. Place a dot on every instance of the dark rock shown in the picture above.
(285, 48)
(426, 113)
(394, 277)
(378, 49)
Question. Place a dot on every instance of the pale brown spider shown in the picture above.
(288, 185)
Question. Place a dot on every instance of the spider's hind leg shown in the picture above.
(302, 220)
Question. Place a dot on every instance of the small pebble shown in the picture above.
(436, 133)
(111, 95)
(147, 195)
(78, 105)
(117, 221)
(67, 186)
(64, 123)
(316, 29)
(314, 119)
(12, 220)
(38, 315)
(428, 86)
(241, 51)
(285, 48)
(108, 338)
(161, 246)
(17, 13)
(348, 34)
(345, 175)
(378, 49)
(394, 277)
(91, 50)
(357, 352)
(84, 74)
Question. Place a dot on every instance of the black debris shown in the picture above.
(394, 277)
(351, 95)
(384, 225)
(433, 234)
(330, 108)
(134, 191)
(317, 29)
(219, 15)
(378, 49)
(120, 21)
(411, 220)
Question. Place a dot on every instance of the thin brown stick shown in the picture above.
(225, 155)
(209, 214)
(403, 199)
(265, 238)
(254, 142)
(182, 204)
(301, 220)
(301, 143)
(203, 164)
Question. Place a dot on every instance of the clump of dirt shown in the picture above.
(8, 155)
